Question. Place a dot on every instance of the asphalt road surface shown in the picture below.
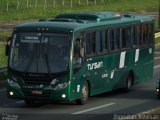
(105, 106)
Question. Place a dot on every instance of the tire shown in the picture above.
(84, 95)
(129, 83)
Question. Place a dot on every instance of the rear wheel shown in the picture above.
(84, 95)
(129, 82)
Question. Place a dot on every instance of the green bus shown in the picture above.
(77, 55)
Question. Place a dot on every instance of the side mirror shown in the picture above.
(7, 50)
(7, 46)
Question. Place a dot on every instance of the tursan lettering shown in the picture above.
(95, 65)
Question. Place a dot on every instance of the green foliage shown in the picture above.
(4, 36)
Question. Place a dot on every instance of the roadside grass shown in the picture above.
(40, 10)
(4, 36)
(3, 58)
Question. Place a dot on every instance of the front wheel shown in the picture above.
(84, 94)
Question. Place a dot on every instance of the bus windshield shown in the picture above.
(40, 53)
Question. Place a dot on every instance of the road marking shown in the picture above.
(157, 58)
(156, 66)
(19, 102)
(99, 107)
(3, 90)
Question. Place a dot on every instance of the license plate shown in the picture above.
(37, 92)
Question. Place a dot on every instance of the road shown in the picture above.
(104, 106)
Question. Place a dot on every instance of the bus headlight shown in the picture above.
(13, 83)
(157, 90)
(62, 85)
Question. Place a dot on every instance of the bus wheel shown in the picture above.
(129, 82)
(85, 94)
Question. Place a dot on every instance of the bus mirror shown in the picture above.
(7, 46)
(7, 50)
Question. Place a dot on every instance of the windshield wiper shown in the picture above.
(47, 63)
(47, 59)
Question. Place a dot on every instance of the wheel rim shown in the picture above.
(85, 93)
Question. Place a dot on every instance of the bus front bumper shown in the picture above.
(35, 94)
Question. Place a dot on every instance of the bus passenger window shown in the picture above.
(93, 42)
(117, 39)
(111, 39)
(140, 35)
(150, 33)
(133, 34)
(123, 38)
(99, 42)
(88, 43)
(126, 37)
(145, 34)
(104, 41)
(90, 39)
(78, 52)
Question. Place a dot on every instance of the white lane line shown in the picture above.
(19, 102)
(156, 66)
(3, 90)
(94, 108)
(157, 58)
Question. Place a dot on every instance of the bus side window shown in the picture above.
(150, 33)
(93, 42)
(111, 39)
(117, 38)
(128, 37)
(105, 41)
(123, 38)
(90, 39)
(99, 42)
(88, 43)
(145, 34)
(133, 35)
(140, 35)
(78, 52)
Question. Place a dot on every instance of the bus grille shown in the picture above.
(33, 80)
(28, 93)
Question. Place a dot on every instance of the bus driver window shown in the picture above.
(78, 53)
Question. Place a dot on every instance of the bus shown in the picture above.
(77, 55)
